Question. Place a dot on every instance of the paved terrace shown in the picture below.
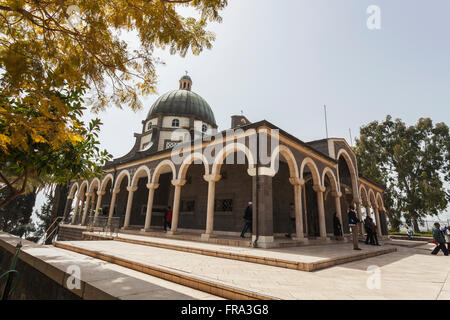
(408, 273)
(99, 279)
(305, 258)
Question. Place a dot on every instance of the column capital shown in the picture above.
(212, 177)
(101, 193)
(336, 194)
(132, 188)
(178, 182)
(318, 188)
(152, 186)
(297, 181)
(89, 194)
(116, 191)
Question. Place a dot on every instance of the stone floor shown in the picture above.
(409, 273)
(305, 258)
(100, 279)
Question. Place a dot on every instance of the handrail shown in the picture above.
(46, 231)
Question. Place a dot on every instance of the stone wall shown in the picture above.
(70, 233)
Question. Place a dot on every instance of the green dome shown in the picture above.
(182, 103)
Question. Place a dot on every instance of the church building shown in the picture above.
(209, 177)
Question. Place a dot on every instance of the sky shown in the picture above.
(283, 60)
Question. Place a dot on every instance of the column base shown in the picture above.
(303, 240)
(264, 241)
(146, 230)
(171, 233)
(206, 236)
(125, 228)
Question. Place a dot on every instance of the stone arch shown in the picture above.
(188, 161)
(83, 188)
(95, 182)
(313, 168)
(330, 174)
(372, 199)
(160, 167)
(363, 194)
(140, 173)
(230, 148)
(105, 181)
(73, 191)
(380, 202)
(290, 158)
(122, 174)
(353, 173)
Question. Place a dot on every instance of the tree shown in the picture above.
(44, 141)
(44, 216)
(80, 42)
(15, 218)
(52, 52)
(413, 162)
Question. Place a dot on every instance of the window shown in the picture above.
(187, 205)
(171, 144)
(149, 126)
(225, 205)
(204, 128)
(175, 123)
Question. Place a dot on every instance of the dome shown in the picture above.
(183, 103)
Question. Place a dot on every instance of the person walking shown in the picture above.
(337, 226)
(353, 223)
(438, 237)
(291, 220)
(374, 233)
(368, 229)
(168, 218)
(248, 217)
(446, 233)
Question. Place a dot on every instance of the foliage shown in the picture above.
(15, 218)
(44, 216)
(80, 41)
(413, 162)
(45, 141)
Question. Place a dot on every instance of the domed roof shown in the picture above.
(182, 103)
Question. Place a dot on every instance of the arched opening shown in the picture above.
(283, 193)
(310, 174)
(163, 196)
(140, 197)
(194, 193)
(346, 187)
(329, 199)
(81, 195)
(120, 206)
(233, 191)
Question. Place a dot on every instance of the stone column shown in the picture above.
(176, 204)
(263, 211)
(86, 208)
(148, 215)
(377, 218)
(337, 198)
(360, 216)
(67, 208)
(75, 210)
(323, 228)
(100, 195)
(211, 179)
(112, 204)
(131, 191)
(298, 185)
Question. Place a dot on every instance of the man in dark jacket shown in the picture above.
(438, 237)
(353, 223)
(248, 217)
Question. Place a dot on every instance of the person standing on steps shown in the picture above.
(439, 239)
(248, 217)
(353, 223)
(168, 218)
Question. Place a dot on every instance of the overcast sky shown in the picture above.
(283, 60)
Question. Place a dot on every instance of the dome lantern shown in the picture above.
(186, 82)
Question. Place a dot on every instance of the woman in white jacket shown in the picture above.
(446, 233)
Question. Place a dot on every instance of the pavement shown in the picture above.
(408, 273)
